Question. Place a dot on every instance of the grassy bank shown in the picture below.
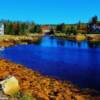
(38, 86)
(93, 37)
(79, 37)
(9, 40)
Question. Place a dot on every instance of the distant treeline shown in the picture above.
(20, 28)
(23, 28)
(93, 26)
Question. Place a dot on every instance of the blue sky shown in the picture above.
(49, 11)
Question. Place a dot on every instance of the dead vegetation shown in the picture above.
(36, 85)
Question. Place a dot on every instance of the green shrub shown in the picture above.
(26, 97)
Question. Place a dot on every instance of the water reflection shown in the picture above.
(2, 48)
(1, 52)
(38, 42)
(61, 42)
(56, 42)
(94, 44)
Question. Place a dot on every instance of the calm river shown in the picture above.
(78, 62)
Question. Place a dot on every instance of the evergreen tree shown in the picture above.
(37, 29)
(94, 19)
(9, 29)
(31, 30)
(22, 28)
(61, 28)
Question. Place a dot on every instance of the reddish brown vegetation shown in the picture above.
(34, 84)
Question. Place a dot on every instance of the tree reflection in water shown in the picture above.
(93, 44)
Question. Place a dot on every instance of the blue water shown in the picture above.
(78, 62)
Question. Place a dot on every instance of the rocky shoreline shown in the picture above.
(39, 86)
